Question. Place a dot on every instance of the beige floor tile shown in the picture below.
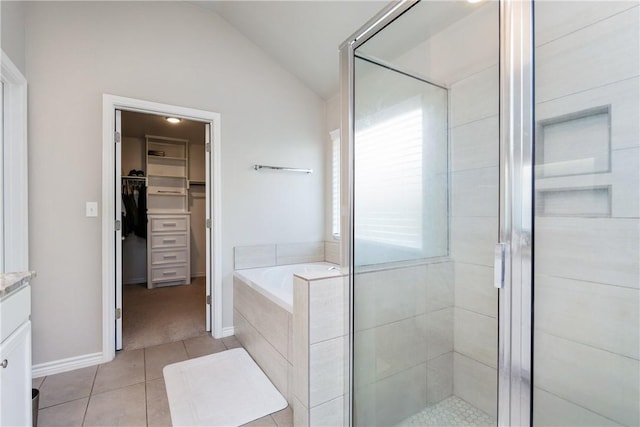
(231, 342)
(68, 386)
(159, 356)
(37, 382)
(262, 422)
(63, 415)
(283, 418)
(121, 407)
(126, 369)
(158, 413)
(201, 346)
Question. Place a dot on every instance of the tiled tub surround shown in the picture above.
(285, 253)
(320, 348)
(263, 327)
(264, 320)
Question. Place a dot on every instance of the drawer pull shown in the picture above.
(169, 224)
(170, 256)
(168, 240)
(5, 363)
(169, 273)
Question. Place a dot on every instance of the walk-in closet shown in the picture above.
(163, 229)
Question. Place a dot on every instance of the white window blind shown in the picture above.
(335, 183)
(389, 179)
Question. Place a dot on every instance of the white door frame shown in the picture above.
(111, 103)
(14, 178)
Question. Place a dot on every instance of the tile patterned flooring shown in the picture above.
(452, 411)
(130, 390)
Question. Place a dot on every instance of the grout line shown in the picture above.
(581, 91)
(185, 351)
(144, 363)
(591, 410)
(93, 383)
(577, 30)
(574, 341)
(146, 405)
(492, 116)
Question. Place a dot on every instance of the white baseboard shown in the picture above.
(65, 365)
(228, 331)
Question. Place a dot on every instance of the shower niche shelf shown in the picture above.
(570, 182)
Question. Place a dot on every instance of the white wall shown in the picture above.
(12, 34)
(168, 52)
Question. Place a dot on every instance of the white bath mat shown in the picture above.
(222, 389)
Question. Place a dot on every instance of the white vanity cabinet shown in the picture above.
(15, 358)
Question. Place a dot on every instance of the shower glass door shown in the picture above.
(425, 218)
(586, 360)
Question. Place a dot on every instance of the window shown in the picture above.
(335, 183)
(389, 176)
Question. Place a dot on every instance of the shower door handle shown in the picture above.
(499, 259)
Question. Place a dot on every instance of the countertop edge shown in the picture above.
(12, 282)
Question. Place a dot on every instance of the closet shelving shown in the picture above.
(167, 174)
(168, 226)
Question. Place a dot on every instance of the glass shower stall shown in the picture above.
(493, 185)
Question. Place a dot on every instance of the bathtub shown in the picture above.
(276, 283)
(263, 317)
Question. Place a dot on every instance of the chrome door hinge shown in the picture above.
(208, 223)
(499, 261)
(117, 137)
(118, 225)
(209, 299)
(207, 147)
(118, 313)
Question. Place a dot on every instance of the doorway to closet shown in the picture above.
(112, 308)
(163, 227)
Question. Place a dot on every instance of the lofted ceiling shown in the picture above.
(303, 36)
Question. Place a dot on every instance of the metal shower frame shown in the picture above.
(515, 231)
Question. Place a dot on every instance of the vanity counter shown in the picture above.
(12, 282)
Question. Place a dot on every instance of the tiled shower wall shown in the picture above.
(587, 260)
(469, 67)
(403, 341)
(474, 231)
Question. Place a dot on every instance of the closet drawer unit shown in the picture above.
(169, 257)
(169, 274)
(159, 241)
(168, 224)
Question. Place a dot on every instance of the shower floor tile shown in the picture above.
(452, 411)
